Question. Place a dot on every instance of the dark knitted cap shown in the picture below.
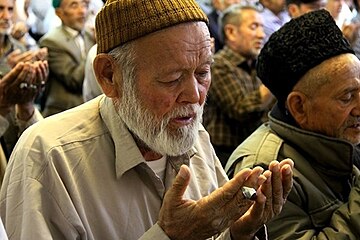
(121, 21)
(298, 46)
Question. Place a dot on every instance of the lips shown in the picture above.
(184, 120)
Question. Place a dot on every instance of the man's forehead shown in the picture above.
(7, 3)
(69, 2)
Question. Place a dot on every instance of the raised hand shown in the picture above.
(23, 83)
(31, 56)
(271, 197)
(187, 219)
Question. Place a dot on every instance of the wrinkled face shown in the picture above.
(6, 14)
(250, 34)
(73, 13)
(164, 105)
(298, 10)
(334, 110)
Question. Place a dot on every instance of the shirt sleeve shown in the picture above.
(4, 124)
(25, 124)
(155, 232)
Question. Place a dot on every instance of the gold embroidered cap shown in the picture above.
(121, 21)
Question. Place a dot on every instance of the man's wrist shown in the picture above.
(24, 111)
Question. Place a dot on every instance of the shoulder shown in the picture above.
(259, 149)
(56, 34)
(59, 130)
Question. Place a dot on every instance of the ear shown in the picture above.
(58, 12)
(230, 32)
(297, 106)
(104, 68)
(293, 10)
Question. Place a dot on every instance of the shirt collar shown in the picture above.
(234, 57)
(339, 154)
(71, 31)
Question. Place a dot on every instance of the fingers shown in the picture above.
(180, 184)
(41, 54)
(276, 198)
(229, 200)
(19, 87)
(226, 193)
(277, 190)
(287, 178)
(10, 76)
(287, 161)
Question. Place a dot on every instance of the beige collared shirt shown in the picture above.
(22, 125)
(80, 175)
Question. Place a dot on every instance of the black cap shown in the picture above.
(298, 46)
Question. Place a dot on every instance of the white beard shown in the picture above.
(158, 135)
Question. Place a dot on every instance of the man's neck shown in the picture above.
(148, 154)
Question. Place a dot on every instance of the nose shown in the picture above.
(6, 14)
(356, 110)
(191, 91)
(260, 33)
(83, 9)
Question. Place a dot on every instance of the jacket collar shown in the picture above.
(333, 155)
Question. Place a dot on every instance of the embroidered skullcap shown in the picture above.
(121, 21)
(56, 3)
(298, 46)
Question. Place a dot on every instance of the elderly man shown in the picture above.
(313, 72)
(136, 162)
(68, 45)
(238, 101)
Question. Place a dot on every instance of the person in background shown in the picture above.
(136, 163)
(18, 90)
(340, 11)
(91, 87)
(297, 8)
(354, 35)
(237, 100)
(218, 6)
(316, 123)
(274, 15)
(15, 61)
(68, 46)
(11, 50)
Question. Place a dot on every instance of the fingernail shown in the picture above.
(287, 170)
(182, 172)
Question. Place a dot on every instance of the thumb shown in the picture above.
(10, 76)
(180, 184)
